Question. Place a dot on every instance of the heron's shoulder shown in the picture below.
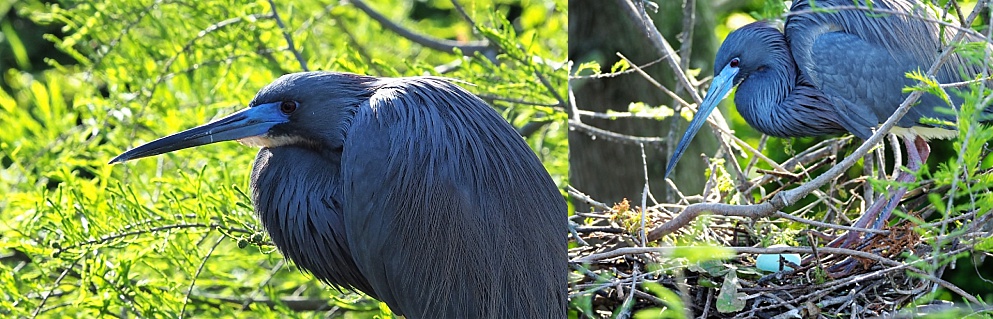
(427, 82)
(424, 92)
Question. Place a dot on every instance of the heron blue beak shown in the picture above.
(719, 89)
(246, 123)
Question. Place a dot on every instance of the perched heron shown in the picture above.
(837, 71)
(411, 190)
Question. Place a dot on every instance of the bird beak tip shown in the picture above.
(118, 159)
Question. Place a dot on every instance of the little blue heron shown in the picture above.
(411, 190)
(836, 71)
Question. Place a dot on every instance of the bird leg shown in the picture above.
(880, 211)
(917, 152)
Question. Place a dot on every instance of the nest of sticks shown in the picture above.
(627, 259)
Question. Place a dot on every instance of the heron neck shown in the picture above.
(295, 192)
(778, 101)
(760, 94)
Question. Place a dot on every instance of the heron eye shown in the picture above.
(734, 63)
(287, 107)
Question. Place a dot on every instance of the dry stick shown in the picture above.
(816, 152)
(909, 266)
(626, 312)
(738, 250)
(573, 110)
(610, 135)
(55, 285)
(637, 13)
(671, 133)
(828, 225)
(644, 197)
(754, 160)
(617, 115)
(785, 198)
(576, 194)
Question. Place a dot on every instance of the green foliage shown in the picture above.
(729, 300)
(175, 236)
(674, 305)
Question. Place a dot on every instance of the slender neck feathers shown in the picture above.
(768, 71)
(296, 196)
(772, 95)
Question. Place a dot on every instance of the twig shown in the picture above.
(272, 274)
(739, 250)
(644, 196)
(686, 37)
(287, 36)
(670, 93)
(292, 303)
(186, 47)
(575, 193)
(829, 225)
(467, 48)
(617, 137)
(633, 69)
(193, 282)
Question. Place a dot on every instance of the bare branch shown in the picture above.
(287, 36)
(467, 48)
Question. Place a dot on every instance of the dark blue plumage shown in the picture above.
(835, 71)
(411, 190)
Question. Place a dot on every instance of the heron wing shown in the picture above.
(860, 61)
(446, 203)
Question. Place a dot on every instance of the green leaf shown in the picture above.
(619, 66)
(729, 299)
(697, 254)
(673, 304)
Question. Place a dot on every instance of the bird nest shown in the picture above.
(628, 260)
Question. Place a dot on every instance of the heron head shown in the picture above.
(307, 108)
(745, 51)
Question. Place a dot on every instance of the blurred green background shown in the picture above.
(174, 235)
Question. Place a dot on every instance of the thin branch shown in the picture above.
(617, 137)
(686, 37)
(670, 93)
(829, 225)
(633, 69)
(287, 36)
(203, 262)
(467, 48)
(293, 303)
(58, 281)
(576, 194)
(738, 250)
